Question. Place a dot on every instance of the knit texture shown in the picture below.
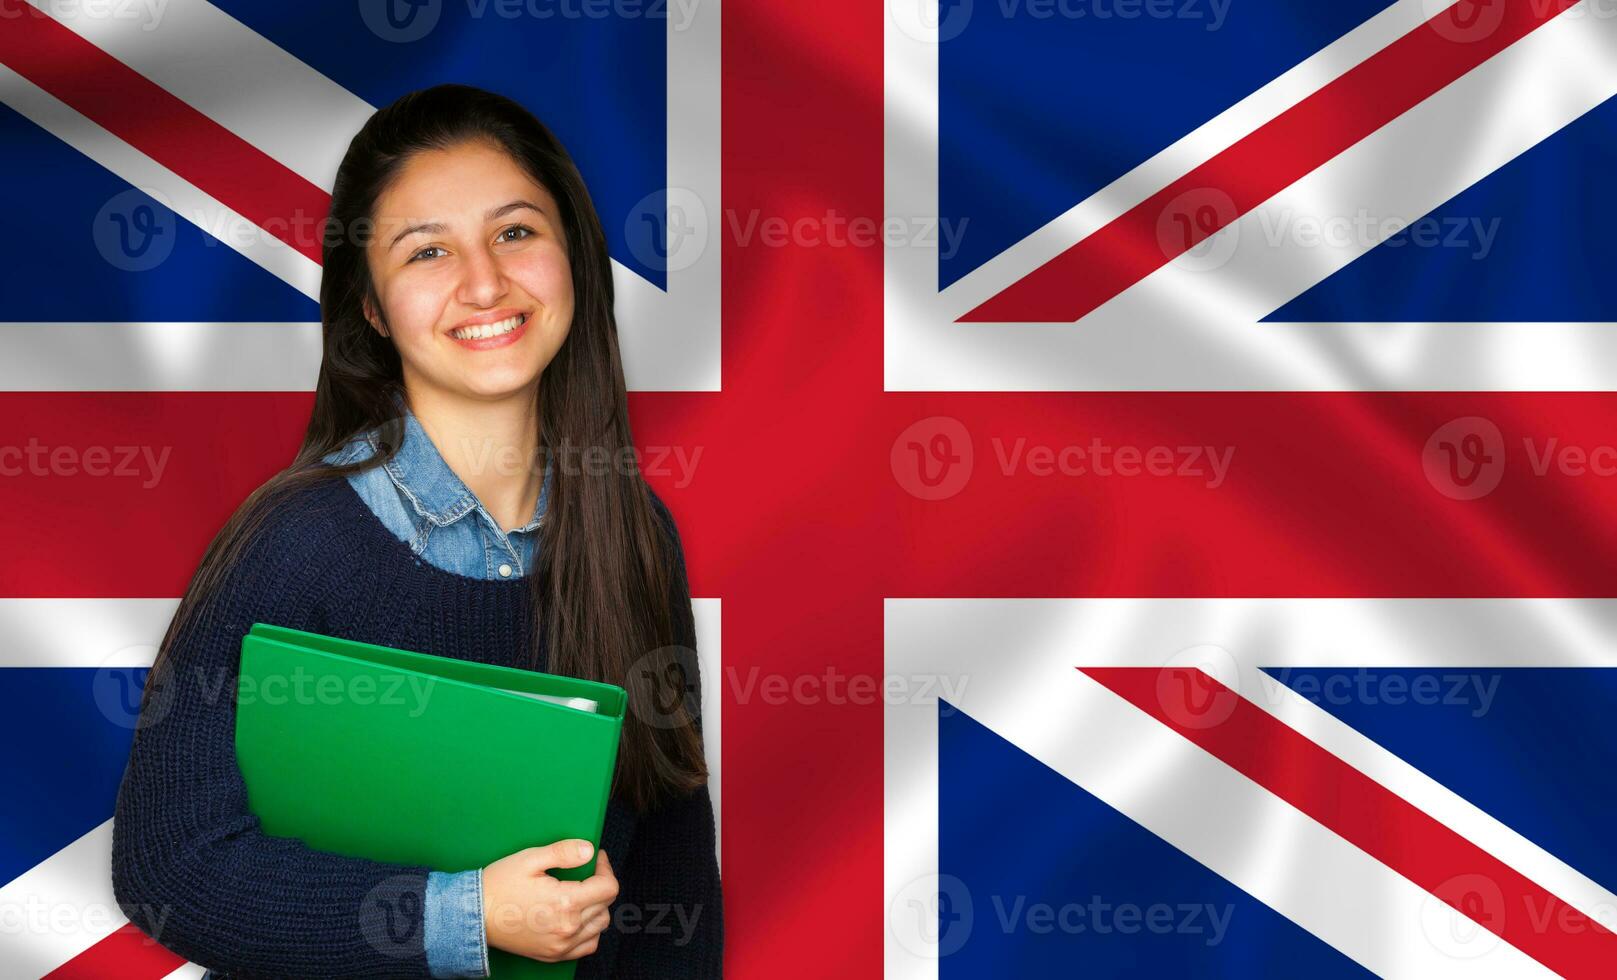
(190, 864)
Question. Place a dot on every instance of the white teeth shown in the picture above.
(487, 329)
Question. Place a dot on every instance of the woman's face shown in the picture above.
(470, 266)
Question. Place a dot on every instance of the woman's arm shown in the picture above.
(190, 864)
(671, 909)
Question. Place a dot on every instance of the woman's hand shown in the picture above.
(527, 912)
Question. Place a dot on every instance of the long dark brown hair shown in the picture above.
(601, 576)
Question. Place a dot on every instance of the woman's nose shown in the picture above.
(483, 282)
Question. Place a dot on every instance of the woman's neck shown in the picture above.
(491, 445)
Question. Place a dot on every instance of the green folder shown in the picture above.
(411, 758)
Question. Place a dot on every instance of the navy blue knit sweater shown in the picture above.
(190, 864)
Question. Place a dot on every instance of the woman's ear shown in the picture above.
(374, 316)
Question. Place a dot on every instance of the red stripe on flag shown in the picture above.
(1325, 493)
(1298, 141)
(163, 127)
(128, 954)
(1372, 818)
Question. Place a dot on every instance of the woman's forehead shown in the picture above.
(459, 183)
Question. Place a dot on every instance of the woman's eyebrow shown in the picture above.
(434, 227)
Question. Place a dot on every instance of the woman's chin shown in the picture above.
(492, 385)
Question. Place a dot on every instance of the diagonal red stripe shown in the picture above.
(163, 127)
(127, 954)
(1369, 816)
(1298, 141)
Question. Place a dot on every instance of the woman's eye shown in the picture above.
(423, 252)
(526, 231)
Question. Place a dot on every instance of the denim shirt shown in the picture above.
(426, 505)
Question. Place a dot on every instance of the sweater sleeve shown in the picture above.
(670, 910)
(191, 866)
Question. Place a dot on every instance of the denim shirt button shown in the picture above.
(505, 571)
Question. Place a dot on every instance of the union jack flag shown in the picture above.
(1175, 431)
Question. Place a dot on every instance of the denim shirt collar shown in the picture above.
(433, 489)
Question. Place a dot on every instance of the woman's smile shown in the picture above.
(487, 331)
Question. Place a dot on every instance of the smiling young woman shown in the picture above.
(467, 313)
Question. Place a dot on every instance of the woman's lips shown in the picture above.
(501, 340)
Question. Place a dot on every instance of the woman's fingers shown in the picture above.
(588, 935)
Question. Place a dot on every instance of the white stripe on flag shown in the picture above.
(82, 632)
(160, 356)
(60, 907)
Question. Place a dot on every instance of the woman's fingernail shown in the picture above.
(584, 849)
